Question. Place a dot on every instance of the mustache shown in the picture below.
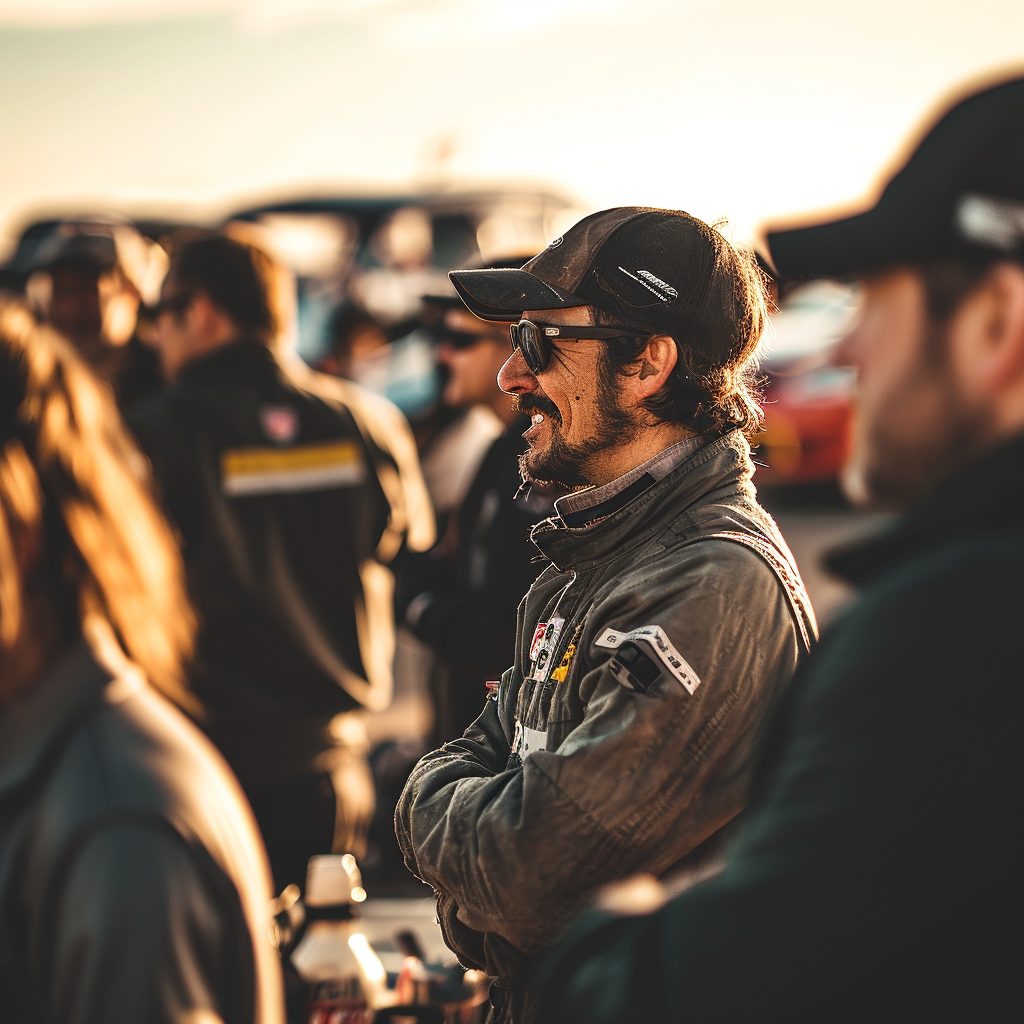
(536, 402)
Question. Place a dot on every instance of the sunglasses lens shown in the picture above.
(527, 339)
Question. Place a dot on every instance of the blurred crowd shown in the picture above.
(384, 519)
(314, 519)
(275, 540)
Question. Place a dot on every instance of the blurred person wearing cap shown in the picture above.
(91, 302)
(133, 884)
(877, 870)
(461, 597)
(670, 615)
(292, 492)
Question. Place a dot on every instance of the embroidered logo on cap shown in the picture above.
(658, 288)
(991, 221)
(280, 423)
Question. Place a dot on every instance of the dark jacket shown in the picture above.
(877, 871)
(288, 503)
(133, 885)
(139, 377)
(466, 602)
(624, 743)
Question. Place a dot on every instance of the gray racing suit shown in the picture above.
(648, 654)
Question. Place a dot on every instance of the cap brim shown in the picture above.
(844, 247)
(506, 294)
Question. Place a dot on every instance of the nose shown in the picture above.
(444, 353)
(514, 377)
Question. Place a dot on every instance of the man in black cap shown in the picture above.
(877, 870)
(668, 619)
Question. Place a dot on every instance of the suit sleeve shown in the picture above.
(519, 848)
(140, 930)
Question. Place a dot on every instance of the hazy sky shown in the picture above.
(734, 108)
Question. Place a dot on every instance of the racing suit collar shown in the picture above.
(581, 508)
(224, 363)
(604, 520)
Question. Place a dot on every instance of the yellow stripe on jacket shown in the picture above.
(307, 467)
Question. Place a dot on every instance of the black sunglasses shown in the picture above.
(536, 341)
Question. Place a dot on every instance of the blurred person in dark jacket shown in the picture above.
(91, 301)
(877, 869)
(133, 885)
(291, 492)
(461, 598)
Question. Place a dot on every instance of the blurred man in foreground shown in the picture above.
(877, 870)
(461, 598)
(668, 620)
(291, 495)
(133, 886)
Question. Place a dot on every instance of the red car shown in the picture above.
(808, 399)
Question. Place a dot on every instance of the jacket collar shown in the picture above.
(593, 524)
(224, 364)
(986, 497)
(34, 724)
(581, 508)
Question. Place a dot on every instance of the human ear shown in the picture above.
(987, 334)
(656, 363)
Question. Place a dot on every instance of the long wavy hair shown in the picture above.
(70, 474)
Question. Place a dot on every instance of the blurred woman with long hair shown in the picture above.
(133, 884)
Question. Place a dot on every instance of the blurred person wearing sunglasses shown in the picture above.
(292, 493)
(670, 614)
(461, 598)
(876, 873)
(133, 885)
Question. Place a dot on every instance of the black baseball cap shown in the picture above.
(435, 306)
(959, 195)
(649, 270)
(452, 299)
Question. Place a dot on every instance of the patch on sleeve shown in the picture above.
(655, 637)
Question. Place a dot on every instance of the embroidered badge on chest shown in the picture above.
(558, 675)
(280, 423)
(542, 648)
(528, 741)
